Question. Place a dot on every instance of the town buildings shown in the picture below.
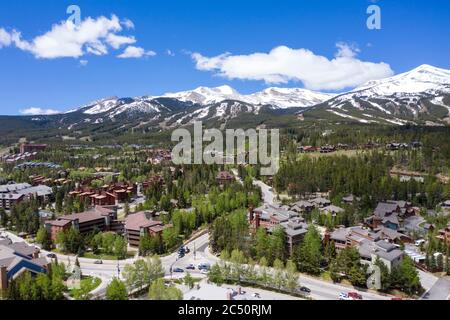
(98, 218)
(141, 224)
(107, 195)
(224, 177)
(270, 216)
(444, 234)
(371, 245)
(390, 214)
(26, 147)
(16, 258)
(12, 194)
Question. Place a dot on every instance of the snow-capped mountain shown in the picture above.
(277, 97)
(423, 91)
(205, 95)
(420, 96)
(288, 97)
(424, 78)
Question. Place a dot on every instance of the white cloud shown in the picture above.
(84, 63)
(5, 38)
(170, 53)
(66, 40)
(283, 64)
(38, 111)
(128, 23)
(117, 41)
(136, 52)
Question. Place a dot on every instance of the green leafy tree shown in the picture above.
(309, 256)
(116, 290)
(189, 281)
(279, 280)
(43, 238)
(291, 276)
(215, 275)
(158, 291)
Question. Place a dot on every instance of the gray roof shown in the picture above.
(12, 254)
(276, 211)
(389, 233)
(41, 191)
(302, 204)
(321, 201)
(332, 209)
(384, 207)
(13, 187)
(350, 198)
(295, 227)
(387, 251)
(391, 218)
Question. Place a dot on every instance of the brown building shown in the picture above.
(24, 147)
(108, 195)
(9, 200)
(444, 234)
(224, 177)
(98, 218)
(141, 224)
(153, 181)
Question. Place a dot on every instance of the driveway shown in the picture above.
(269, 196)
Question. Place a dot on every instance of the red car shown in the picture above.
(355, 296)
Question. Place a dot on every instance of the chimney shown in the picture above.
(327, 237)
(3, 278)
(257, 220)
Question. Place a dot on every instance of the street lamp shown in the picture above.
(195, 252)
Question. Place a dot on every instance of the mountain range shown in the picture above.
(418, 97)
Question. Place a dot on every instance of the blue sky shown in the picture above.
(413, 33)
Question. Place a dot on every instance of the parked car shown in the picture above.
(204, 266)
(204, 271)
(190, 267)
(98, 262)
(419, 242)
(51, 256)
(178, 270)
(305, 289)
(256, 295)
(344, 296)
(355, 296)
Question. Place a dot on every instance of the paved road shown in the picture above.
(269, 196)
(439, 291)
